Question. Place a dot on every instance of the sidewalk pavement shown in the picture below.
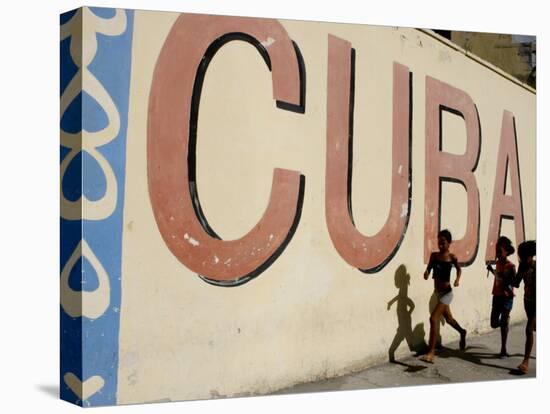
(479, 362)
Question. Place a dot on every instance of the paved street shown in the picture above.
(478, 362)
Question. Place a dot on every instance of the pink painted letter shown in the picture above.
(367, 253)
(171, 140)
(506, 206)
(446, 167)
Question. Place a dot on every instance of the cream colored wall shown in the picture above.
(309, 315)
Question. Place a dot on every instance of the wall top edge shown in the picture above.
(427, 32)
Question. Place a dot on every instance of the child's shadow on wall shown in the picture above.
(404, 309)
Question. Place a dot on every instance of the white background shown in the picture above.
(29, 232)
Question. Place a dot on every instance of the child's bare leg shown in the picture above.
(434, 325)
(504, 327)
(495, 317)
(452, 321)
(529, 328)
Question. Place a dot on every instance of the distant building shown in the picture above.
(515, 54)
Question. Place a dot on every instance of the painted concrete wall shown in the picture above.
(294, 288)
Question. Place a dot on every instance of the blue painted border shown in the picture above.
(89, 347)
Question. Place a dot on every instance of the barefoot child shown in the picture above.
(527, 271)
(503, 291)
(441, 263)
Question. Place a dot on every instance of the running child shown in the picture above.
(527, 271)
(441, 263)
(503, 290)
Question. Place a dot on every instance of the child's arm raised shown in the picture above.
(429, 267)
(509, 277)
(458, 270)
(522, 268)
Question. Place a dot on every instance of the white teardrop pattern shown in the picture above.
(83, 31)
(78, 303)
(83, 389)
